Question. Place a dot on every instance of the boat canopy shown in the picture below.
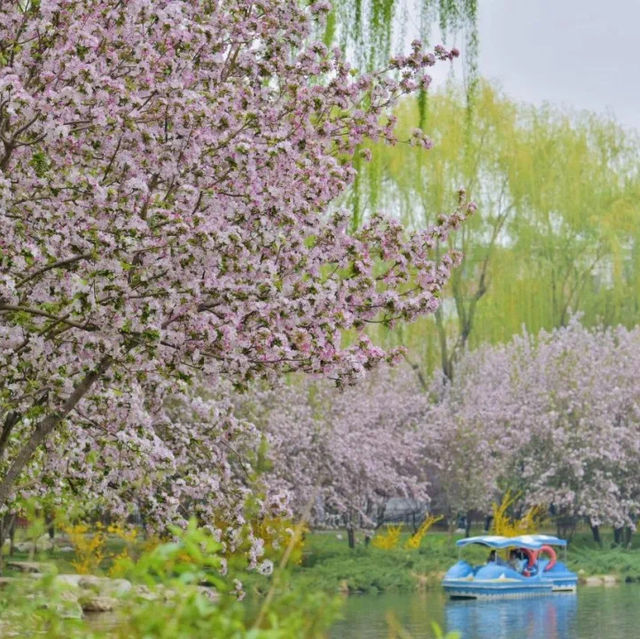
(533, 542)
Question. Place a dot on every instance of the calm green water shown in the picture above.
(594, 613)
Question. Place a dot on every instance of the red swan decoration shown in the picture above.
(533, 555)
(552, 556)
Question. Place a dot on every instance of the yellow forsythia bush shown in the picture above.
(507, 526)
(389, 539)
(413, 543)
(90, 546)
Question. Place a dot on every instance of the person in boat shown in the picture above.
(514, 560)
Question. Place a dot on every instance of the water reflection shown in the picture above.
(552, 617)
(594, 613)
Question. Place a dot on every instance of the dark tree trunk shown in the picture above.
(595, 531)
(7, 529)
(351, 537)
(617, 536)
(467, 528)
(12, 535)
(49, 520)
(3, 519)
(487, 522)
(451, 523)
(628, 532)
(47, 426)
(566, 526)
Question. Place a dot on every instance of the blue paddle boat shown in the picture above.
(532, 569)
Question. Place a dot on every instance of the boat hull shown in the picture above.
(492, 589)
(493, 580)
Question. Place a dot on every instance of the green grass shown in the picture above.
(607, 561)
(329, 564)
(586, 557)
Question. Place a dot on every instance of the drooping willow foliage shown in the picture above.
(557, 230)
(371, 29)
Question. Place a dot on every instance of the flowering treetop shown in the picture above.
(555, 417)
(577, 432)
(165, 172)
(347, 452)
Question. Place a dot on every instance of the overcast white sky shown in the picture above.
(581, 53)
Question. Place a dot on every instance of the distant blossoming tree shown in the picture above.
(347, 452)
(576, 438)
(166, 174)
(554, 417)
(464, 443)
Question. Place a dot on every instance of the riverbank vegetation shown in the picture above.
(325, 563)
(173, 590)
(329, 564)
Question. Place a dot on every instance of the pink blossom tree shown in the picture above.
(190, 455)
(577, 435)
(166, 172)
(347, 452)
(464, 444)
(554, 417)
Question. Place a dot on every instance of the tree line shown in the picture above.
(552, 417)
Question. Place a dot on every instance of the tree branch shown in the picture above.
(49, 267)
(9, 308)
(10, 421)
(47, 425)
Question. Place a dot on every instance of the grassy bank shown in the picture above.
(329, 564)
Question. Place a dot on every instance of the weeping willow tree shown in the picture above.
(371, 29)
(557, 229)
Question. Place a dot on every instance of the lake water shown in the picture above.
(592, 613)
